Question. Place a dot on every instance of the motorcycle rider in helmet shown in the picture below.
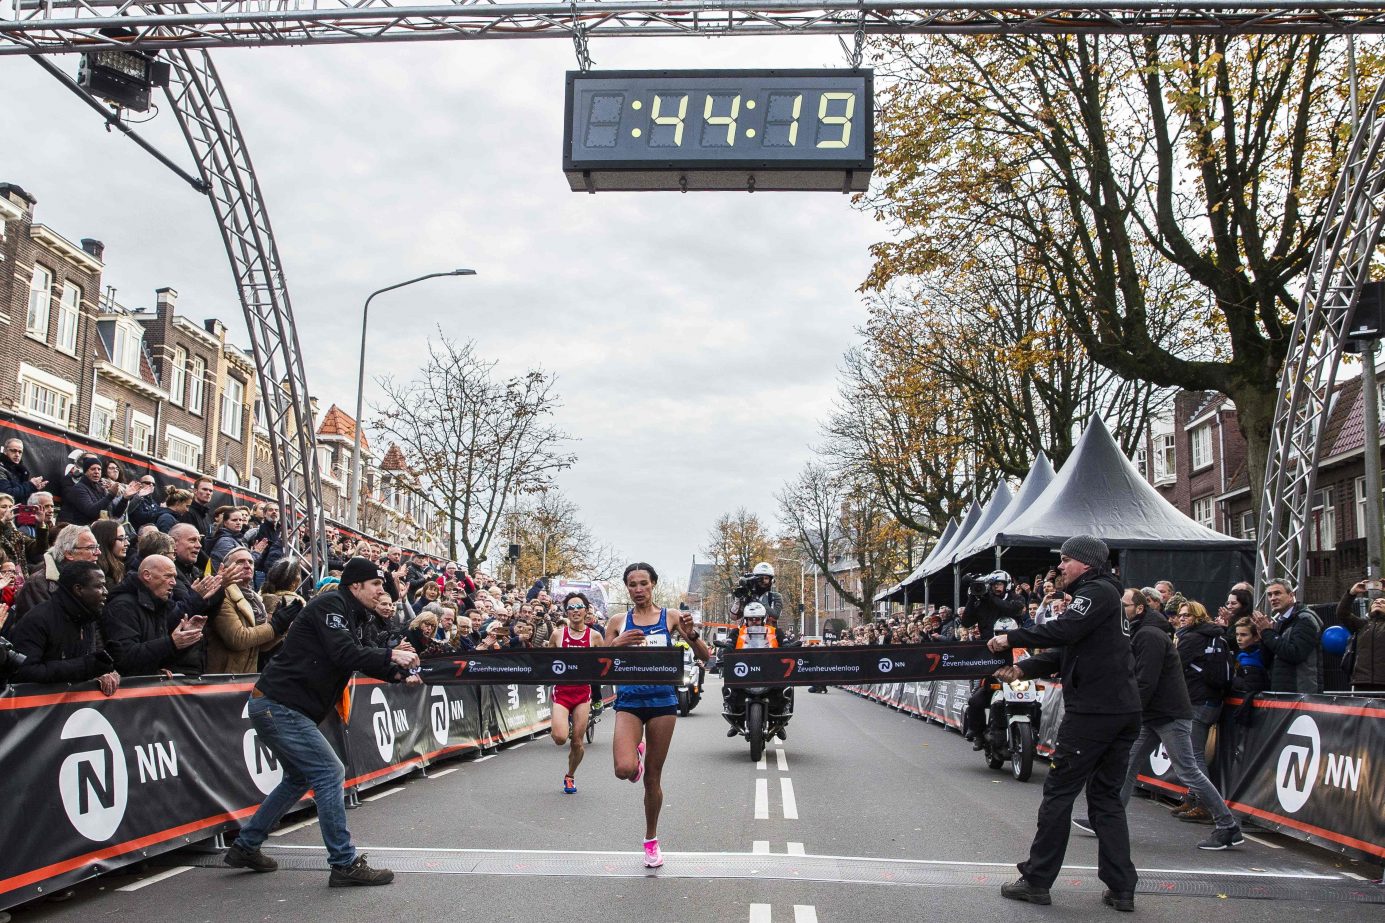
(995, 600)
(755, 604)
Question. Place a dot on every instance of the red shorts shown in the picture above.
(571, 696)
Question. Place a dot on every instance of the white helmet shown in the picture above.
(763, 569)
(755, 612)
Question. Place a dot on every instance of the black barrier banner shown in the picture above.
(394, 728)
(812, 666)
(547, 666)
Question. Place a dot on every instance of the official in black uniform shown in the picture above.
(296, 691)
(1090, 645)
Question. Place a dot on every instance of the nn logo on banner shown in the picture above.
(260, 761)
(1297, 771)
(95, 782)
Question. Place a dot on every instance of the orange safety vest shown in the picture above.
(770, 635)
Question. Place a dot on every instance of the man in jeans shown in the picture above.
(296, 691)
(1168, 716)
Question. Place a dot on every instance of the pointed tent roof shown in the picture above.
(975, 540)
(942, 557)
(948, 532)
(1035, 483)
(1100, 492)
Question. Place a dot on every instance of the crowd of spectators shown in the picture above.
(99, 580)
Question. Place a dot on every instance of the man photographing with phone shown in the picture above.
(296, 691)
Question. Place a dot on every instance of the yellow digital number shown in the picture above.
(728, 120)
(775, 121)
(842, 120)
(675, 120)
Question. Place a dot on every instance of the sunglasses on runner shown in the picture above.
(575, 607)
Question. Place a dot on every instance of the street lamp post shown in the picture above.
(354, 493)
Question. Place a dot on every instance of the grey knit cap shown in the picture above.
(1088, 549)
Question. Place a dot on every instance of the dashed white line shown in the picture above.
(796, 849)
(790, 805)
(760, 913)
(1256, 839)
(517, 746)
(1354, 875)
(445, 772)
(782, 759)
(385, 794)
(154, 879)
(762, 799)
(805, 913)
(760, 848)
(488, 756)
(292, 827)
(761, 764)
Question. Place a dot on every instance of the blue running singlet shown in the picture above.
(656, 635)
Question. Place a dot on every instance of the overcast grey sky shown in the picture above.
(695, 337)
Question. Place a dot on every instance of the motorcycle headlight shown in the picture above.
(1020, 685)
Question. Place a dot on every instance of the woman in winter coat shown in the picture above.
(115, 546)
(241, 630)
(176, 509)
(1368, 674)
(1206, 671)
(13, 543)
(228, 535)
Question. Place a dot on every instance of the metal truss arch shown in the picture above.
(199, 101)
(1340, 265)
(57, 26)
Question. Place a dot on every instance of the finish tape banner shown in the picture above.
(815, 666)
(546, 666)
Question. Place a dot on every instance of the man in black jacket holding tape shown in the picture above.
(1090, 645)
(298, 690)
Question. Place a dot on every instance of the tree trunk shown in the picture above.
(1255, 415)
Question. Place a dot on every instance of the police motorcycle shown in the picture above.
(767, 709)
(1012, 719)
(690, 690)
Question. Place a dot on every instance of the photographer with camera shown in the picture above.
(755, 588)
(989, 599)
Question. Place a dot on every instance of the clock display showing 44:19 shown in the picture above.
(719, 119)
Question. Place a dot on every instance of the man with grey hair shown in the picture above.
(15, 478)
(41, 527)
(136, 623)
(1293, 635)
(74, 543)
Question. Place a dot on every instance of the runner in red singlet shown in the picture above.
(573, 700)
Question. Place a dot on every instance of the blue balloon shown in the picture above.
(1334, 639)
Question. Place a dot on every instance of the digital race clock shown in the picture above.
(719, 129)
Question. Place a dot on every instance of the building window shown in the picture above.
(255, 483)
(40, 297)
(1322, 523)
(1202, 446)
(232, 400)
(1202, 512)
(1165, 458)
(178, 376)
(1248, 525)
(127, 349)
(1360, 505)
(1142, 462)
(259, 415)
(46, 396)
(69, 312)
(103, 412)
(196, 383)
(183, 448)
(228, 475)
(141, 432)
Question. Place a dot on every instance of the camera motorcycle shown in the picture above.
(764, 711)
(1012, 719)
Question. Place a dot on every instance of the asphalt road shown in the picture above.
(863, 814)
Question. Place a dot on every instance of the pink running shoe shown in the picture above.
(652, 857)
(639, 772)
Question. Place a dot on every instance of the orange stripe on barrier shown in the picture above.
(120, 849)
(17, 703)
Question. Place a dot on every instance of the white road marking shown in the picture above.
(1204, 873)
(517, 746)
(796, 849)
(805, 913)
(761, 764)
(292, 827)
(488, 756)
(760, 848)
(782, 759)
(1256, 839)
(154, 879)
(790, 805)
(1354, 875)
(760, 913)
(762, 799)
(445, 772)
(385, 794)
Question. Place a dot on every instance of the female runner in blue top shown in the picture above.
(645, 715)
